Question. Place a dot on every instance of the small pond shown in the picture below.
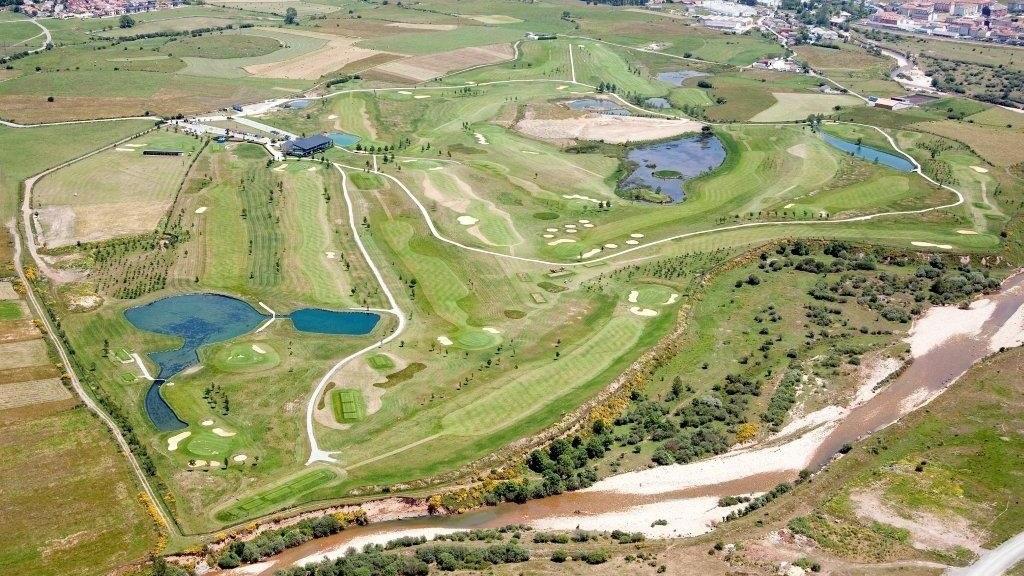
(298, 104)
(665, 166)
(598, 105)
(870, 154)
(201, 319)
(677, 77)
(319, 321)
(343, 138)
(657, 103)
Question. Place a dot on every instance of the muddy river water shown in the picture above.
(945, 343)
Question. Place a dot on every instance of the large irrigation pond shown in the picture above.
(202, 319)
(869, 154)
(665, 166)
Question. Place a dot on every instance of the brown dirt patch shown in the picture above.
(999, 146)
(423, 26)
(25, 373)
(18, 330)
(927, 531)
(105, 221)
(18, 394)
(606, 127)
(339, 52)
(22, 354)
(370, 62)
(427, 67)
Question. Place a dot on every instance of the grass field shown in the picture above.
(790, 106)
(348, 406)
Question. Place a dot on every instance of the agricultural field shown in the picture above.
(622, 238)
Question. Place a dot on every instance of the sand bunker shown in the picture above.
(421, 96)
(222, 433)
(332, 117)
(561, 241)
(331, 255)
(584, 221)
(940, 323)
(562, 87)
(199, 463)
(124, 149)
(240, 458)
(480, 139)
(632, 242)
(258, 349)
(580, 197)
(671, 300)
(547, 235)
(979, 169)
(280, 168)
(967, 232)
(551, 229)
(931, 245)
(591, 252)
(445, 341)
(642, 311)
(201, 209)
(173, 441)
(790, 205)
(467, 220)
(636, 235)
(611, 246)
(406, 92)
(491, 330)
(607, 128)
(633, 295)
(207, 422)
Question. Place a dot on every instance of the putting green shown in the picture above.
(348, 406)
(653, 295)
(246, 357)
(208, 444)
(473, 339)
(380, 362)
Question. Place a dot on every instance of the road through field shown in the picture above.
(996, 561)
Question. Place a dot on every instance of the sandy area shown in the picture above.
(931, 245)
(611, 246)
(480, 138)
(966, 232)
(606, 127)
(7, 291)
(671, 300)
(871, 374)
(799, 150)
(636, 235)
(491, 330)
(421, 96)
(222, 432)
(124, 149)
(258, 349)
(444, 340)
(633, 295)
(240, 458)
(173, 441)
(207, 422)
(591, 252)
(331, 255)
(632, 242)
(561, 241)
(338, 52)
(979, 169)
(642, 311)
(927, 531)
(382, 538)
(941, 323)
(1010, 334)
(686, 517)
(467, 220)
(492, 19)
(17, 394)
(418, 26)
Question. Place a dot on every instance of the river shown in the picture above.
(945, 342)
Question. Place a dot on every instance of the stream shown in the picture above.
(945, 343)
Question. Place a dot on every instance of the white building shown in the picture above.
(734, 24)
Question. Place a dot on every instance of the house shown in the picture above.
(888, 19)
(1015, 6)
(961, 26)
(885, 103)
(307, 146)
(968, 8)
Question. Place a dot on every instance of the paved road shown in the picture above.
(996, 561)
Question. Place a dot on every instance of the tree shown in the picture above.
(127, 21)
(291, 16)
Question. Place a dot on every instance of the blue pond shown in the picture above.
(598, 105)
(322, 321)
(343, 138)
(201, 319)
(298, 104)
(676, 78)
(689, 156)
(870, 154)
